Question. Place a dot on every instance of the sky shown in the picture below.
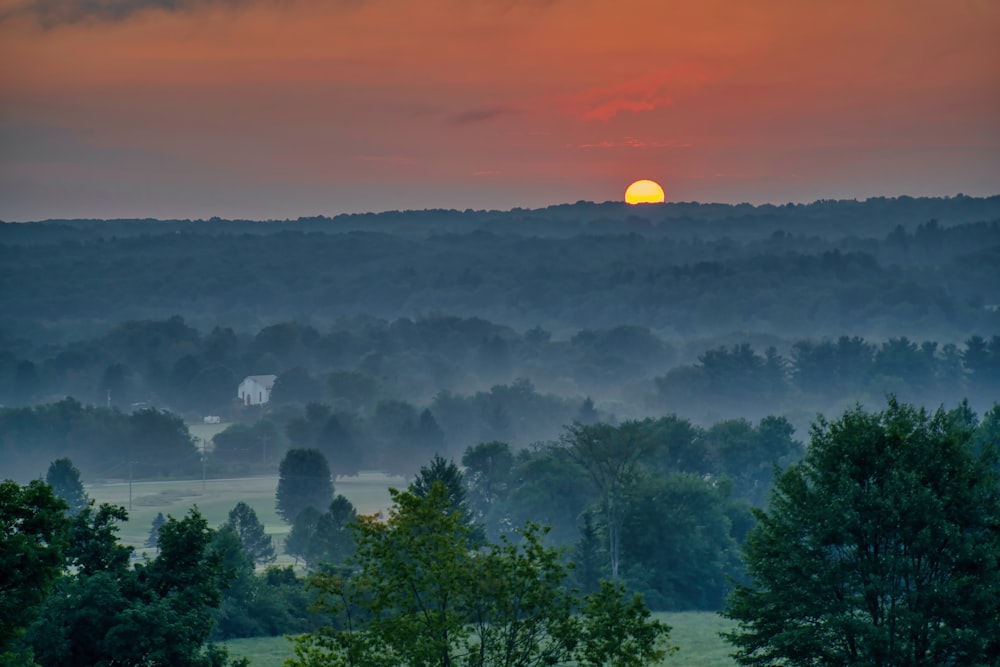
(274, 109)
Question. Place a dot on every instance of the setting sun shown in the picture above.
(644, 192)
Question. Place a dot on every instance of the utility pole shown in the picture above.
(203, 458)
(130, 486)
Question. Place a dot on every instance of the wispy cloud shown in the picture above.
(631, 142)
(635, 96)
(57, 12)
(477, 115)
(52, 13)
(386, 159)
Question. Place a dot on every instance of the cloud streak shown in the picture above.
(51, 13)
(477, 115)
(631, 142)
(635, 96)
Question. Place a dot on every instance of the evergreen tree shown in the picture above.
(258, 544)
(301, 538)
(448, 474)
(64, 478)
(153, 540)
(333, 541)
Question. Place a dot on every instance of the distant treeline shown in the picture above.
(107, 443)
(929, 268)
(696, 482)
(486, 381)
(375, 394)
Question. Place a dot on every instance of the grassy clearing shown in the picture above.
(697, 634)
(261, 651)
(368, 491)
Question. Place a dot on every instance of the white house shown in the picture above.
(255, 389)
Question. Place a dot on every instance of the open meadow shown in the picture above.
(696, 633)
(368, 491)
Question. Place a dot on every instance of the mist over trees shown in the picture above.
(881, 267)
(632, 379)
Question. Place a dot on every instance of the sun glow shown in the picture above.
(644, 192)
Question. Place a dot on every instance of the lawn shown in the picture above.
(695, 632)
(369, 492)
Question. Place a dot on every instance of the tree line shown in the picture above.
(876, 268)
(660, 505)
(483, 381)
(880, 546)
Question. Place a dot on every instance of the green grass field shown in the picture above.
(696, 633)
(368, 491)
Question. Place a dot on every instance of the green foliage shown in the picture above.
(248, 444)
(258, 544)
(32, 542)
(253, 605)
(156, 614)
(881, 547)
(678, 542)
(445, 472)
(419, 595)
(747, 454)
(323, 539)
(618, 631)
(333, 541)
(351, 389)
(551, 490)
(488, 480)
(153, 442)
(296, 385)
(93, 540)
(64, 479)
(304, 481)
(588, 556)
(612, 458)
(300, 538)
(332, 433)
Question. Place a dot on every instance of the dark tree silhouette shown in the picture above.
(64, 479)
(258, 544)
(303, 481)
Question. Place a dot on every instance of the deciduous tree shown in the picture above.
(612, 457)
(881, 547)
(304, 481)
(105, 612)
(32, 539)
(419, 595)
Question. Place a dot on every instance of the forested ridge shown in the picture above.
(629, 378)
(880, 268)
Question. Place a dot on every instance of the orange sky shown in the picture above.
(281, 108)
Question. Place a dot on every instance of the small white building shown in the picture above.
(255, 389)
